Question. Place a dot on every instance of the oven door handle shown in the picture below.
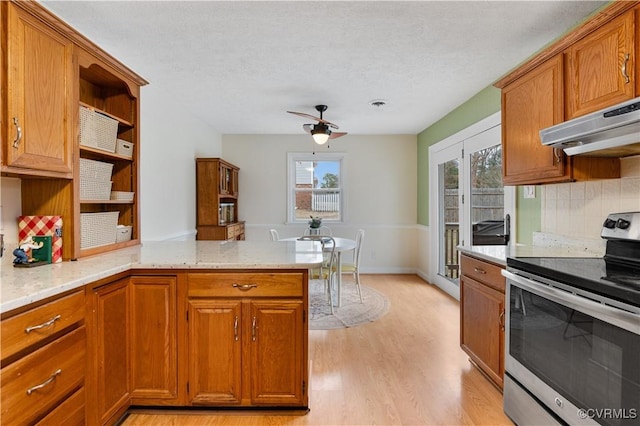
(616, 316)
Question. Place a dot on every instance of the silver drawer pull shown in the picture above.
(43, 325)
(244, 287)
(45, 383)
(479, 270)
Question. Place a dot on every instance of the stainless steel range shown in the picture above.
(573, 334)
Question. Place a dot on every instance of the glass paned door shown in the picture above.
(487, 197)
(448, 206)
(450, 218)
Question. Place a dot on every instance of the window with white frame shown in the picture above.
(315, 187)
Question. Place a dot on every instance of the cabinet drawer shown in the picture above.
(483, 272)
(232, 284)
(34, 325)
(36, 383)
(69, 413)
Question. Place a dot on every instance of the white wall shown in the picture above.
(380, 187)
(171, 139)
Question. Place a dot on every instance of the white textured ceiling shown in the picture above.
(240, 65)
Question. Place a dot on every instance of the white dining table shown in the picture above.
(342, 245)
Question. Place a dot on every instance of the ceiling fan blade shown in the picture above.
(335, 135)
(318, 119)
(307, 127)
(302, 114)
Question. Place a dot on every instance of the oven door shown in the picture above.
(579, 357)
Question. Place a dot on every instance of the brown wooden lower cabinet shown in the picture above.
(109, 348)
(482, 309)
(151, 338)
(43, 355)
(247, 339)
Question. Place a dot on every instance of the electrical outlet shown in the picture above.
(529, 191)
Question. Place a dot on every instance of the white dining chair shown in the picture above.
(327, 270)
(354, 268)
(274, 235)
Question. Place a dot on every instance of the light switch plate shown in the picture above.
(529, 191)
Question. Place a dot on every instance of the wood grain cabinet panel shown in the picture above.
(37, 124)
(40, 323)
(482, 310)
(277, 359)
(248, 339)
(531, 103)
(154, 365)
(601, 67)
(108, 389)
(38, 382)
(215, 348)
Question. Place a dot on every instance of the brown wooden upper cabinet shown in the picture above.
(601, 67)
(589, 68)
(531, 103)
(37, 129)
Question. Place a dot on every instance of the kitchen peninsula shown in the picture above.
(183, 323)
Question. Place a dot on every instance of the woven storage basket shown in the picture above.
(91, 169)
(95, 179)
(97, 130)
(122, 195)
(98, 229)
(93, 189)
(124, 233)
(87, 128)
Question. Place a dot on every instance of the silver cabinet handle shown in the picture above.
(556, 154)
(45, 383)
(43, 325)
(16, 141)
(479, 270)
(235, 328)
(244, 287)
(623, 69)
(253, 328)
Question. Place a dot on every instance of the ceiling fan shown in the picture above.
(320, 132)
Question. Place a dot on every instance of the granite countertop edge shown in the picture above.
(24, 286)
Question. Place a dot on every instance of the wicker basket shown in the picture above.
(95, 180)
(97, 130)
(93, 189)
(98, 170)
(122, 195)
(123, 233)
(98, 229)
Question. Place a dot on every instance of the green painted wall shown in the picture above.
(482, 105)
(528, 216)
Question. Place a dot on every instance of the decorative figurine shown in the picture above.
(22, 253)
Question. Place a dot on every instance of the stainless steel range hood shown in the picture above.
(612, 132)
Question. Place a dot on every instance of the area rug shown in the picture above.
(351, 312)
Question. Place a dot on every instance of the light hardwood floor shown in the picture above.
(406, 368)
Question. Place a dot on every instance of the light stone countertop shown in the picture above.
(544, 245)
(22, 286)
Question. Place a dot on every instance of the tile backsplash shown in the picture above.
(577, 209)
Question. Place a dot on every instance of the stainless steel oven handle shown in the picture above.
(618, 317)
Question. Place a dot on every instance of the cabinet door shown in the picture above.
(277, 353)
(39, 94)
(529, 104)
(601, 67)
(154, 367)
(482, 326)
(215, 348)
(109, 349)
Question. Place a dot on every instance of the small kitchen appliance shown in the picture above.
(572, 335)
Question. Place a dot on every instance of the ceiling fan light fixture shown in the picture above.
(320, 134)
